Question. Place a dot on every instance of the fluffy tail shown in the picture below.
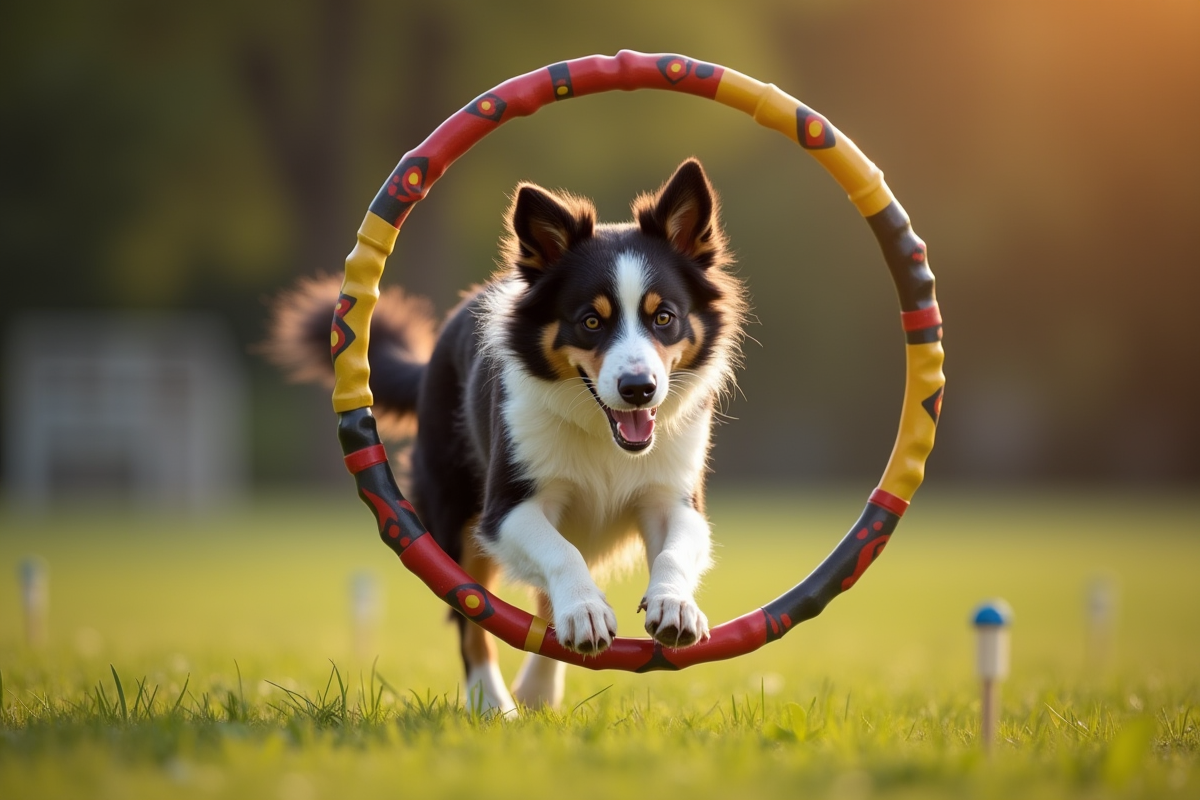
(402, 336)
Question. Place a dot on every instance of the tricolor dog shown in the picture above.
(564, 412)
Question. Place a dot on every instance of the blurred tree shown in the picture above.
(160, 155)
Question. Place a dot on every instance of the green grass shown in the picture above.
(215, 657)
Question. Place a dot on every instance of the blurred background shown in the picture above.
(167, 168)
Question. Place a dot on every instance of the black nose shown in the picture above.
(637, 389)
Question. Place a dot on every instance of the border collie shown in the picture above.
(564, 412)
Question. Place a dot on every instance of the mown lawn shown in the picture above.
(216, 657)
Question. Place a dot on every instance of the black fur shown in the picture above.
(463, 467)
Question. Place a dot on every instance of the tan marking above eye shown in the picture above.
(651, 302)
(603, 306)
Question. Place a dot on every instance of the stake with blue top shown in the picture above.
(992, 620)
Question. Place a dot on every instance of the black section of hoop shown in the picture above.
(824, 138)
(495, 110)
(658, 662)
(456, 598)
(933, 404)
(840, 570)
(924, 335)
(397, 196)
(905, 255)
(560, 79)
(398, 524)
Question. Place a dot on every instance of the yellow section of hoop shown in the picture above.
(914, 440)
(364, 268)
(773, 108)
(863, 182)
(536, 635)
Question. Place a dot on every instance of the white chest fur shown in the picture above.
(592, 490)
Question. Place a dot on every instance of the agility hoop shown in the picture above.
(904, 253)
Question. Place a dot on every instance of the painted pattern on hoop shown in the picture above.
(489, 106)
(341, 335)
(560, 81)
(813, 131)
(470, 600)
(403, 189)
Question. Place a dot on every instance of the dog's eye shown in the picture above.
(663, 318)
(591, 322)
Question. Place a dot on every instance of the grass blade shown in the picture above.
(242, 708)
(182, 692)
(582, 702)
(103, 707)
(141, 693)
(120, 693)
(150, 702)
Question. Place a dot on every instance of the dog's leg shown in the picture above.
(540, 680)
(533, 551)
(485, 684)
(679, 552)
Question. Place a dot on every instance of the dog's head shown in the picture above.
(644, 313)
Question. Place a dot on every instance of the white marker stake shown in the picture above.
(991, 623)
(35, 599)
(366, 608)
(1101, 603)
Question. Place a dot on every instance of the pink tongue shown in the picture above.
(635, 426)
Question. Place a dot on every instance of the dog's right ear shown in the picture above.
(685, 212)
(544, 226)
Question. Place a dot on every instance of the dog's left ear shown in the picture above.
(544, 226)
(685, 212)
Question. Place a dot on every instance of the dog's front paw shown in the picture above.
(675, 621)
(587, 626)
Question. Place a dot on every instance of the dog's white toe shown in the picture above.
(675, 621)
(587, 626)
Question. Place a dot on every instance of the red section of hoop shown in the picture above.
(425, 559)
(525, 94)
(888, 502)
(368, 457)
(441, 574)
(735, 638)
(920, 319)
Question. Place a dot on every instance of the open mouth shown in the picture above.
(632, 430)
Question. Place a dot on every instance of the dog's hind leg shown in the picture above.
(485, 684)
(540, 680)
